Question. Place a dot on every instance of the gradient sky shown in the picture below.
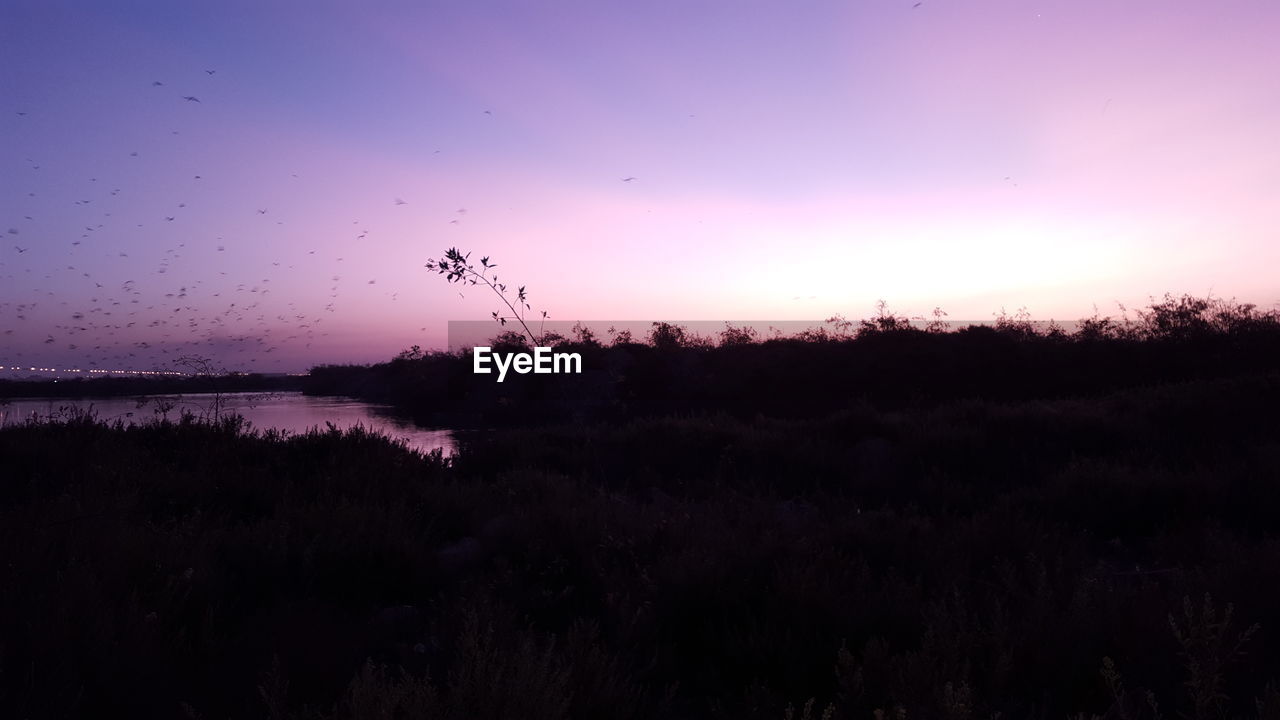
(792, 160)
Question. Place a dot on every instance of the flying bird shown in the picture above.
(211, 71)
(401, 202)
(628, 179)
(156, 83)
(191, 98)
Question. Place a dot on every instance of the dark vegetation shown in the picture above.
(1062, 525)
(887, 361)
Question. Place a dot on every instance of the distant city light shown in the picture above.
(120, 371)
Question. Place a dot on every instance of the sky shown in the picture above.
(262, 183)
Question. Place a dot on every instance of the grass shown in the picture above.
(962, 558)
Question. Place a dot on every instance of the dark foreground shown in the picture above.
(1105, 556)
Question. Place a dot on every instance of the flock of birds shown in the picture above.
(135, 323)
(146, 321)
(93, 297)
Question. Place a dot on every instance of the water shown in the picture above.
(288, 411)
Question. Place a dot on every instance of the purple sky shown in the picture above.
(792, 160)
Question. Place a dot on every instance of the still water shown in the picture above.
(288, 411)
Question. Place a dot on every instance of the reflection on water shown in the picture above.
(288, 411)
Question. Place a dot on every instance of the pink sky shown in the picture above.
(792, 161)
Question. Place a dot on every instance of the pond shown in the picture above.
(292, 412)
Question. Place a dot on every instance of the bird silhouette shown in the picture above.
(628, 179)
(211, 71)
(191, 98)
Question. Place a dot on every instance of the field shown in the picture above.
(1106, 550)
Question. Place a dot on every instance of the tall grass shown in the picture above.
(956, 559)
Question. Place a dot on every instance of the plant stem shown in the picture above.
(514, 314)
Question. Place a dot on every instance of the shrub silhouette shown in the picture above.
(886, 360)
(890, 523)
(965, 558)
